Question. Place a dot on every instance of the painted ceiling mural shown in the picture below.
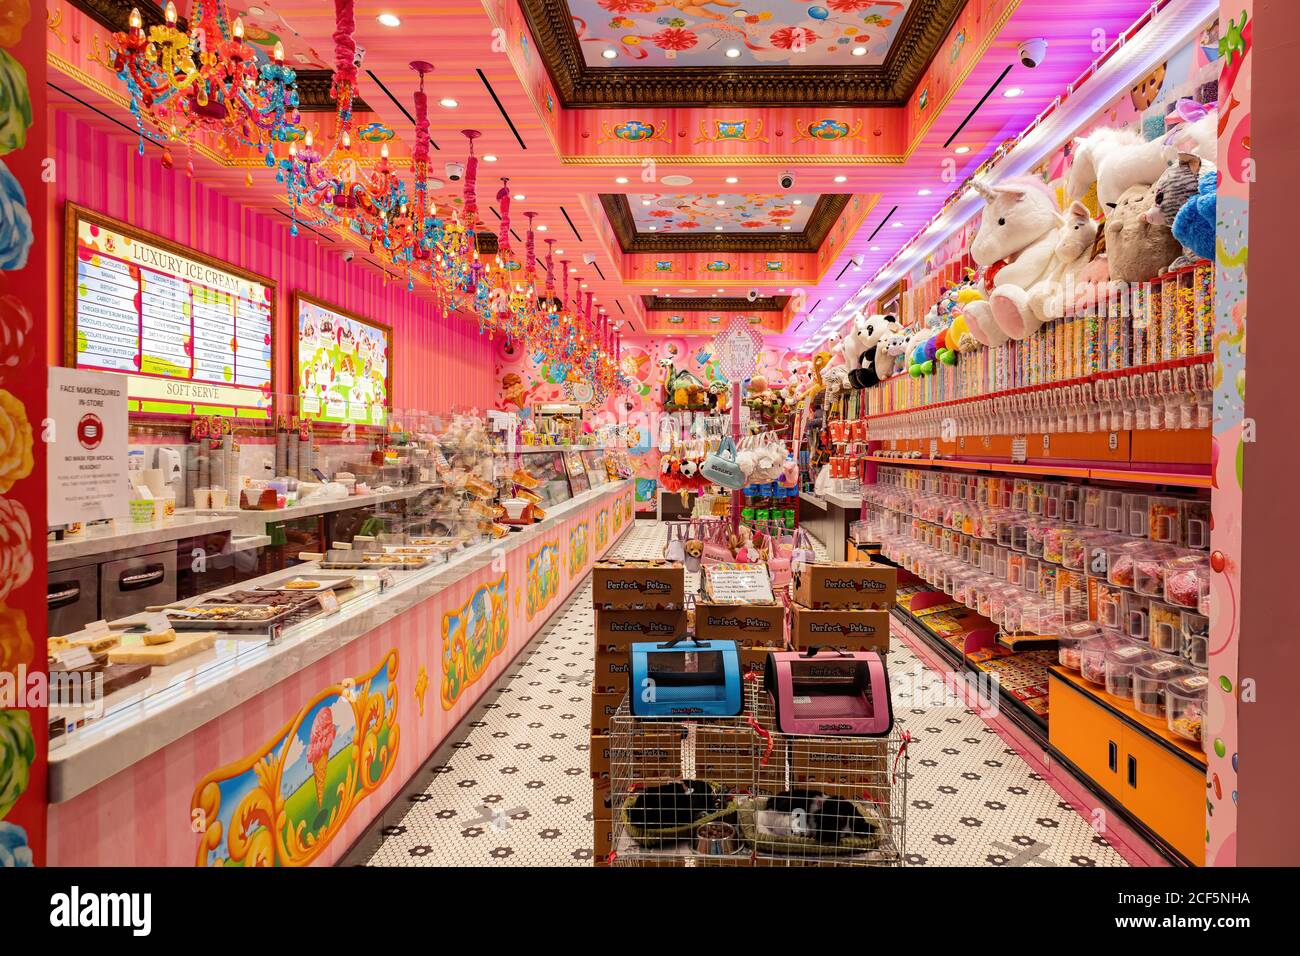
(736, 33)
(752, 212)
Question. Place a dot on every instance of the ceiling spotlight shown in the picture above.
(732, 52)
(655, 289)
(859, 51)
(645, 202)
(584, 285)
(1012, 92)
(541, 228)
(490, 158)
(740, 13)
(654, 228)
(798, 202)
(841, 179)
(621, 180)
(923, 192)
(898, 225)
(962, 150)
(717, 229)
(573, 268)
(720, 202)
(875, 248)
(856, 260)
(448, 102)
(559, 252)
(609, 53)
(732, 180)
(786, 228)
(519, 197)
(389, 19)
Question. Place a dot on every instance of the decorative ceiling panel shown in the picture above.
(750, 222)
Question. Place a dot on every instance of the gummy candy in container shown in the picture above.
(1135, 515)
(1136, 615)
(1047, 579)
(1163, 520)
(1001, 492)
(1093, 513)
(1107, 602)
(1120, 560)
(1072, 503)
(1072, 595)
(1016, 568)
(1013, 610)
(1045, 617)
(1020, 494)
(1185, 700)
(1053, 543)
(1120, 663)
(1034, 535)
(1151, 679)
(1074, 549)
(1194, 517)
(1164, 631)
(1184, 578)
(1004, 522)
(1070, 643)
(1035, 498)
(1195, 632)
(998, 599)
(1149, 570)
(984, 597)
(1092, 657)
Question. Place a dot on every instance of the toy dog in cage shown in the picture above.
(813, 814)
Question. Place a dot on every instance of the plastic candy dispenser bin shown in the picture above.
(1194, 516)
(1120, 663)
(1185, 699)
(1185, 576)
(1150, 681)
(1135, 515)
(1164, 524)
(1165, 627)
(1136, 616)
(1195, 647)
(1092, 657)
(1070, 641)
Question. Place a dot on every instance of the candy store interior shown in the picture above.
(643, 433)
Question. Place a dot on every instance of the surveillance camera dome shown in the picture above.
(785, 180)
(752, 295)
(455, 172)
(1032, 52)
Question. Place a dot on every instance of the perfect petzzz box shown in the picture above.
(622, 629)
(603, 708)
(846, 584)
(850, 630)
(752, 625)
(628, 585)
(612, 668)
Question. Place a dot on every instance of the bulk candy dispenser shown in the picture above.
(1151, 679)
(1185, 699)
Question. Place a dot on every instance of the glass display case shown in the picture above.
(593, 459)
(577, 471)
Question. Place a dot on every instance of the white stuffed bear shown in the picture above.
(1015, 245)
(1074, 242)
(854, 348)
(1114, 159)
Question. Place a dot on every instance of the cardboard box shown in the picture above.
(843, 767)
(603, 708)
(599, 755)
(612, 669)
(630, 585)
(622, 629)
(602, 840)
(735, 758)
(850, 630)
(753, 660)
(751, 625)
(654, 757)
(846, 584)
(601, 794)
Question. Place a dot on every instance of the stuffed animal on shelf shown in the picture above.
(1137, 250)
(1176, 187)
(851, 349)
(884, 362)
(1193, 128)
(1116, 160)
(869, 333)
(1074, 242)
(1015, 244)
(1194, 226)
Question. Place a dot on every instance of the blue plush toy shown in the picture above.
(1195, 222)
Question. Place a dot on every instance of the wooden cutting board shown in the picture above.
(187, 644)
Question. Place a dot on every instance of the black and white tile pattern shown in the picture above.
(511, 787)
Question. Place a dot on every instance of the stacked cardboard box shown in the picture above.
(843, 604)
(635, 601)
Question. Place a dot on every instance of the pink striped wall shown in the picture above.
(439, 362)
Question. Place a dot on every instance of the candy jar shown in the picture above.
(1195, 632)
(1070, 642)
(1151, 679)
(1185, 699)
(1016, 568)
(1120, 663)
(1164, 525)
(1092, 510)
(1194, 517)
(1053, 543)
(1136, 614)
(1107, 602)
(1035, 532)
(1135, 515)
(1149, 570)
(1120, 558)
(1054, 500)
(1092, 657)
(1165, 628)
(1072, 503)
(1184, 578)
(1114, 512)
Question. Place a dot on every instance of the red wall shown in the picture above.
(438, 362)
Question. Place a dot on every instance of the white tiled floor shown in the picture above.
(511, 786)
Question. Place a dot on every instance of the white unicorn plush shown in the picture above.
(1074, 241)
(1114, 159)
(1015, 246)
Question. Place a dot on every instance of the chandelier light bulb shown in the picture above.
(170, 13)
(238, 28)
(134, 20)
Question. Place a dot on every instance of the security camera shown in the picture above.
(856, 260)
(786, 180)
(455, 172)
(1032, 52)
(752, 295)
(348, 254)
(589, 258)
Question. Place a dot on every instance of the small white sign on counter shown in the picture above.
(88, 445)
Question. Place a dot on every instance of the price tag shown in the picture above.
(1113, 441)
(96, 627)
(1046, 441)
(1019, 449)
(385, 580)
(155, 622)
(76, 657)
(329, 601)
(934, 449)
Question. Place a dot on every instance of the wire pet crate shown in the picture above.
(734, 791)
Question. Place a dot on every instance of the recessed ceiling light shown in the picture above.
(520, 197)
(621, 180)
(720, 202)
(798, 202)
(780, 290)
(786, 228)
(655, 289)
(490, 158)
(676, 179)
(584, 285)
(573, 268)
(898, 225)
(654, 228)
(448, 102)
(923, 192)
(1012, 92)
(609, 53)
(842, 284)
(962, 150)
(732, 180)
(717, 229)
(875, 248)
(732, 52)
(841, 179)
(740, 13)
(859, 51)
(645, 202)
(541, 228)
(722, 290)
(387, 19)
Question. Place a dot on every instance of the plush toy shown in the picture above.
(921, 351)
(1194, 226)
(1015, 244)
(1136, 249)
(884, 361)
(852, 348)
(895, 346)
(1114, 159)
(1179, 185)
(1074, 242)
(1192, 128)
(945, 348)
(869, 333)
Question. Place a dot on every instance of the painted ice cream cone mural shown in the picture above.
(318, 750)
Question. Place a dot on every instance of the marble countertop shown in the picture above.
(99, 540)
(833, 498)
(175, 700)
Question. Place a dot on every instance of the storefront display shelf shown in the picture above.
(1171, 478)
(178, 699)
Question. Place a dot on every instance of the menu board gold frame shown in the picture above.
(157, 393)
(322, 420)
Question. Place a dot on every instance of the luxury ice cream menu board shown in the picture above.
(341, 363)
(195, 338)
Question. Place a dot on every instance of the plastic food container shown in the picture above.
(1195, 630)
(1044, 617)
(1053, 543)
(1092, 510)
(1185, 577)
(1185, 699)
(1074, 548)
(1092, 658)
(1034, 535)
(1135, 515)
(1035, 498)
(1165, 627)
(1149, 570)
(1164, 524)
(1020, 494)
(1013, 611)
(1054, 500)
(1150, 681)
(1003, 524)
(1070, 643)
(1120, 663)
(1136, 611)
(1030, 582)
(1047, 574)
(1072, 503)
(1120, 559)
(1194, 516)
(1106, 602)
(1016, 568)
